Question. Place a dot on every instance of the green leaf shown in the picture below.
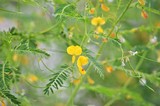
(57, 80)
(115, 92)
(39, 52)
(103, 90)
(10, 97)
(7, 76)
(97, 66)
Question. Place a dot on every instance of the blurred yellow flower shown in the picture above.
(128, 97)
(109, 69)
(76, 81)
(90, 80)
(74, 51)
(3, 103)
(97, 21)
(15, 57)
(104, 7)
(82, 60)
(32, 78)
(96, 36)
(92, 11)
(99, 30)
(142, 2)
(20, 59)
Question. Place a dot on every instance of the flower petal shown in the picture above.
(81, 70)
(78, 50)
(94, 21)
(82, 60)
(99, 30)
(73, 59)
(101, 21)
(71, 50)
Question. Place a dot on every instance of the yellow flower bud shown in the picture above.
(109, 69)
(32, 78)
(90, 80)
(92, 11)
(3, 103)
(104, 7)
(99, 30)
(73, 59)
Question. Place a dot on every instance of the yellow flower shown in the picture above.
(90, 80)
(82, 60)
(133, 30)
(97, 21)
(142, 2)
(74, 51)
(32, 78)
(104, 7)
(92, 11)
(99, 30)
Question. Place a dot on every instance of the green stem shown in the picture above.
(141, 61)
(3, 74)
(120, 17)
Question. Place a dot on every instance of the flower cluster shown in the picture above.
(81, 61)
